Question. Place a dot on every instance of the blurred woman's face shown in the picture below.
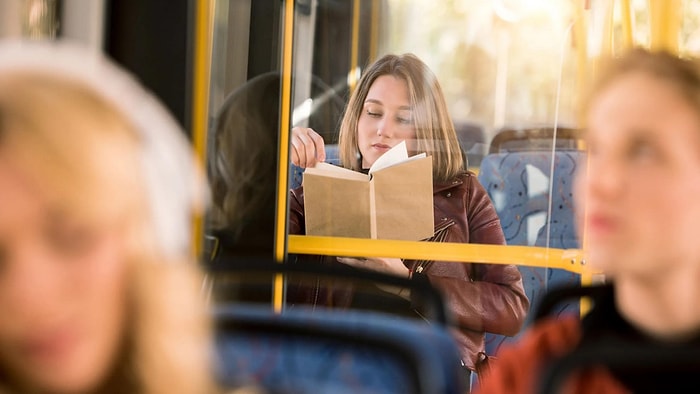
(62, 290)
(641, 208)
(386, 119)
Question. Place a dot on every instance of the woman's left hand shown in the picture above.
(391, 266)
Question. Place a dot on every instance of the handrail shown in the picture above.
(567, 259)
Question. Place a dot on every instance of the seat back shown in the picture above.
(472, 140)
(332, 351)
(519, 185)
(360, 347)
(535, 138)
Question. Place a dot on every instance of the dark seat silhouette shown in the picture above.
(312, 349)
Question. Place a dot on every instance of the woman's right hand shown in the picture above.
(308, 147)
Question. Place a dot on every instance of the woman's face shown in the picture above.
(62, 290)
(386, 119)
(641, 209)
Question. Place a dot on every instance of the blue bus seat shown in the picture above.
(332, 351)
(370, 345)
(472, 140)
(518, 184)
(296, 172)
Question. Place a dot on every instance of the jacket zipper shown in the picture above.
(438, 236)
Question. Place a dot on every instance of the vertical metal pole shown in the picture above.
(200, 100)
(353, 76)
(285, 121)
(665, 20)
(627, 30)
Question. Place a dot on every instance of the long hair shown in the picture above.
(89, 156)
(435, 130)
(242, 166)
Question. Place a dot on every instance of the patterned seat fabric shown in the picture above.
(519, 185)
(330, 351)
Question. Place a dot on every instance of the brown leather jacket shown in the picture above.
(480, 297)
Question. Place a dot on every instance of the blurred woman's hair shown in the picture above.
(97, 161)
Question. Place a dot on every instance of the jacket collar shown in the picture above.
(455, 182)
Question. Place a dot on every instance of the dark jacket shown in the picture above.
(614, 356)
(520, 366)
(480, 297)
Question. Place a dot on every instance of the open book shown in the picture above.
(393, 201)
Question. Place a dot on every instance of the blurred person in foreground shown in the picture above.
(98, 288)
(637, 211)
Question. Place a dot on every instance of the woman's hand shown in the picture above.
(308, 147)
(385, 265)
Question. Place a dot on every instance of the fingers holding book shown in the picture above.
(308, 147)
(393, 266)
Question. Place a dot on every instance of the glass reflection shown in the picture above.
(242, 171)
(505, 67)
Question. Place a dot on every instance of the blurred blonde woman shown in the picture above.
(98, 288)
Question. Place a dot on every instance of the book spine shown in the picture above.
(372, 211)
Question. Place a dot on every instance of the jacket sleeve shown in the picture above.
(493, 299)
(497, 304)
(296, 211)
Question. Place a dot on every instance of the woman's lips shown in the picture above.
(602, 224)
(381, 146)
(50, 346)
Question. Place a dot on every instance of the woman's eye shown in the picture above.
(69, 240)
(374, 114)
(403, 120)
(641, 150)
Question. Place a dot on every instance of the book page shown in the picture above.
(397, 154)
(330, 170)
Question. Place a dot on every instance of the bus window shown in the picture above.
(512, 67)
(512, 73)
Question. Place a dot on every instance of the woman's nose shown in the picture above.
(384, 129)
(604, 177)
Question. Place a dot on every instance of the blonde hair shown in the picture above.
(87, 155)
(435, 132)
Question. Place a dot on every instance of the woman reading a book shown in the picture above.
(397, 99)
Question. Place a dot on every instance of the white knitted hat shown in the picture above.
(169, 165)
